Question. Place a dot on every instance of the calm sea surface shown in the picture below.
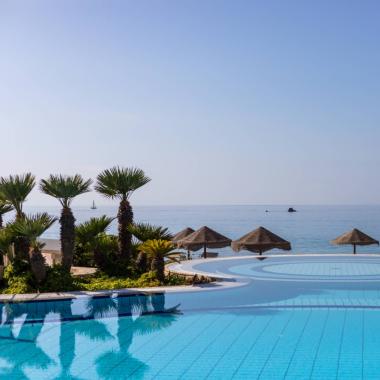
(309, 230)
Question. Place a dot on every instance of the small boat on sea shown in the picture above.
(93, 207)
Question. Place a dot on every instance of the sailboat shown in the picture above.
(93, 207)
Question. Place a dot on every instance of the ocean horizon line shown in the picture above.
(103, 205)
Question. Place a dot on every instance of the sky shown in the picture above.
(219, 102)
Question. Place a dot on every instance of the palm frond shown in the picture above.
(106, 243)
(33, 226)
(120, 182)
(16, 188)
(5, 207)
(157, 247)
(65, 188)
(147, 231)
(87, 231)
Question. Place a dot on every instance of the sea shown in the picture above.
(310, 229)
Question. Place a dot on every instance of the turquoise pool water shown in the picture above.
(264, 329)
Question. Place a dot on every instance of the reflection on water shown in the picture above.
(58, 339)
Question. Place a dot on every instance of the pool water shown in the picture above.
(310, 270)
(277, 329)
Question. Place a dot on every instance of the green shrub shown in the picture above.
(58, 279)
(103, 282)
(17, 282)
(18, 267)
(19, 285)
(82, 258)
(147, 279)
(174, 279)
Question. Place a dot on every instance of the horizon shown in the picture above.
(243, 103)
(115, 204)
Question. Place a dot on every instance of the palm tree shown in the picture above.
(91, 241)
(6, 240)
(147, 231)
(33, 227)
(158, 251)
(65, 189)
(5, 207)
(105, 254)
(120, 183)
(14, 190)
(144, 232)
(87, 232)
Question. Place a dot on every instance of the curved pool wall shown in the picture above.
(331, 281)
(287, 318)
(320, 268)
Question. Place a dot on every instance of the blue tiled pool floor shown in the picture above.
(262, 330)
(306, 343)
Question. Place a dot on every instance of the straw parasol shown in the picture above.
(182, 234)
(204, 237)
(260, 240)
(355, 237)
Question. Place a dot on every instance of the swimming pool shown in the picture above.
(314, 317)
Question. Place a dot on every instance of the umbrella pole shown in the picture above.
(204, 251)
(354, 249)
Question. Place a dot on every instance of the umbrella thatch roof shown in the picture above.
(355, 237)
(260, 240)
(182, 234)
(204, 237)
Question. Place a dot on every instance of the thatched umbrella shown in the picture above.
(355, 237)
(259, 241)
(182, 234)
(204, 237)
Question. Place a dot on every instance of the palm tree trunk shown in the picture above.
(125, 218)
(158, 266)
(142, 262)
(38, 265)
(100, 259)
(22, 244)
(67, 221)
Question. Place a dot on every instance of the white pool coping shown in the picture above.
(106, 293)
(187, 267)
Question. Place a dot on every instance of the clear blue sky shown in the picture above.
(220, 102)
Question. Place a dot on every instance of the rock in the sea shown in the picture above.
(291, 209)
